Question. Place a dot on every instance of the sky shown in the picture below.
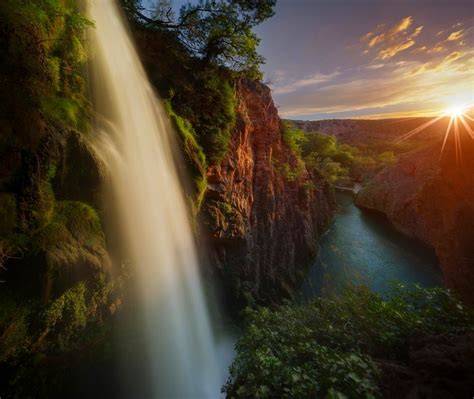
(368, 58)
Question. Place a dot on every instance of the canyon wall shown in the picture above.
(432, 199)
(263, 210)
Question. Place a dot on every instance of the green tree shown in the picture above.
(218, 32)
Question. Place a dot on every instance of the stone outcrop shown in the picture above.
(264, 211)
(432, 199)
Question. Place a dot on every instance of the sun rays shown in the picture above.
(457, 116)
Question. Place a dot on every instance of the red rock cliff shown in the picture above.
(432, 199)
(263, 210)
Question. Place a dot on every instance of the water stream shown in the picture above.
(154, 223)
(363, 247)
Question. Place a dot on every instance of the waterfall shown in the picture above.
(151, 210)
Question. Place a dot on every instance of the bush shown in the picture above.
(327, 348)
(294, 138)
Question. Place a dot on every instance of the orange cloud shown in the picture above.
(455, 35)
(402, 26)
(437, 66)
(395, 38)
(380, 37)
(376, 40)
(436, 49)
(452, 57)
(391, 51)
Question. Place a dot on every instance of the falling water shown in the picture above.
(152, 214)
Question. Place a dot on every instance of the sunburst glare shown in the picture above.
(456, 113)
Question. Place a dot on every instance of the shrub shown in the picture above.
(294, 138)
(326, 348)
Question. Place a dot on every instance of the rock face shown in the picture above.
(264, 211)
(432, 199)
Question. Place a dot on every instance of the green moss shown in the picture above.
(60, 109)
(67, 314)
(73, 235)
(43, 207)
(195, 157)
(43, 46)
(218, 117)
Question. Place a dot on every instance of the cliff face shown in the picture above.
(432, 199)
(263, 210)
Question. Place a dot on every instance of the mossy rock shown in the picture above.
(74, 247)
(74, 235)
(80, 170)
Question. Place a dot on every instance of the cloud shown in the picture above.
(394, 40)
(407, 71)
(392, 51)
(355, 95)
(455, 35)
(310, 81)
(405, 86)
(374, 38)
(438, 64)
(437, 49)
(375, 66)
(452, 57)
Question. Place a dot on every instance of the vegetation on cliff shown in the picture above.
(336, 347)
(56, 290)
(337, 162)
(194, 59)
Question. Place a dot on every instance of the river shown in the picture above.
(362, 247)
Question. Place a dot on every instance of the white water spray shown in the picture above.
(153, 214)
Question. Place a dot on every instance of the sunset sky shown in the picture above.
(369, 58)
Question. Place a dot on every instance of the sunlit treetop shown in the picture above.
(217, 32)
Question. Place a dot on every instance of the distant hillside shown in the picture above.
(380, 134)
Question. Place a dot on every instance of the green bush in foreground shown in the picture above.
(327, 348)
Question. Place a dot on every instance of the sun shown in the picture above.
(455, 111)
(458, 118)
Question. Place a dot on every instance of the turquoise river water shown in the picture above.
(363, 247)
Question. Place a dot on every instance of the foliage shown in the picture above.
(326, 348)
(42, 46)
(67, 314)
(217, 32)
(290, 173)
(294, 138)
(36, 336)
(195, 157)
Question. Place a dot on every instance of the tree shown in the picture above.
(216, 31)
